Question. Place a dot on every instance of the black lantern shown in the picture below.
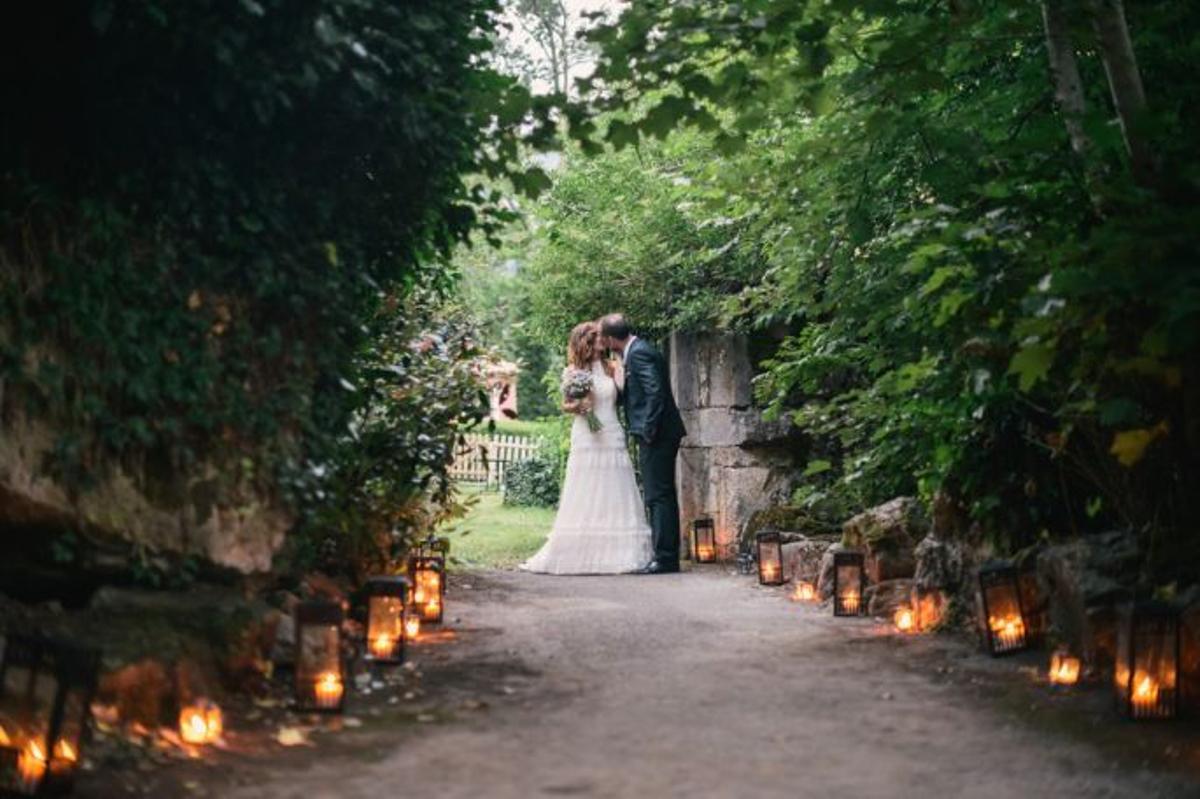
(770, 558)
(849, 584)
(704, 540)
(320, 671)
(1146, 674)
(1003, 619)
(427, 573)
(385, 619)
(46, 690)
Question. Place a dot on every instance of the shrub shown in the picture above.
(532, 482)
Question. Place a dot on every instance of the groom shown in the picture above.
(654, 420)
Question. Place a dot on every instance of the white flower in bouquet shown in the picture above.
(576, 387)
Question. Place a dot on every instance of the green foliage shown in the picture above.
(629, 231)
(382, 483)
(534, 482)
(208, 210)
(972, 306)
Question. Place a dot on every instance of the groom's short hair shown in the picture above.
(616, 326)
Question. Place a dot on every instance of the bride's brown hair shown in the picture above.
(583, 345)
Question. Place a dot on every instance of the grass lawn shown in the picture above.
(495, 535)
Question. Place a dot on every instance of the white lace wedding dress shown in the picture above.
(601, 523)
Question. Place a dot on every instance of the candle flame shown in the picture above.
(1146, 690)
(201, 723)
(904, 620)
(804, 592)
(381, 646)
(412, 626)
(64, 751)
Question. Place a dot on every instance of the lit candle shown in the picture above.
(432, 609)
(31, 766)
(770, 572)
(1064, 669)
(200, 723)
(705, 553)
(381, 646)
(329, 690)
(904, 620)
(1009, 631)
(1145, 695)
(412, 626)
(850, 601)
(804, 592)
(419, 593)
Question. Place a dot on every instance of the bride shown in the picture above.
(601, 523)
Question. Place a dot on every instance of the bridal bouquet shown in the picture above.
(577, 389)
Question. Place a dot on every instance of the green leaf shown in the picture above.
(1031, 364)
(817, 467)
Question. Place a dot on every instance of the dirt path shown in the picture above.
(703, 685)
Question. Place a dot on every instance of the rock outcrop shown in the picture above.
(154, 511)
(888, 534)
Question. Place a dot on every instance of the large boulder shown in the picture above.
(802, 557)
(144, 506)
(1085, 580)
(884, 599)
(938, 564)
(888, 534)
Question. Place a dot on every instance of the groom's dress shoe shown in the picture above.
(657, 567)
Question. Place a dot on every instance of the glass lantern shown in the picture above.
(704, 540)
(46, 689)
(427, 574)
(385, 619)
(1004, 625)
(849, 584)
(770, 558)
(1146, 674)
(320, 671)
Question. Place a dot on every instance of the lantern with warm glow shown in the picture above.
(46, 692)
(201, 722)
(1146, 673)
(704, 540)
(1064, 669)
(928, 605)
(412, 624)
(385, 619)
(770, 558)
(805, 592)
(905, 619)
(427, 573)
(1004, 625)
(320, 672)
(849, 583)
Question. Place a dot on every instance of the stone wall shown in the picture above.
(184, 514)
(732, 463)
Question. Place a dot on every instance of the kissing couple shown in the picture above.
(601, 526)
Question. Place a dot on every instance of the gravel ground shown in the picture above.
(704, 685)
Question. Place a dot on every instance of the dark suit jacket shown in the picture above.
(650, 406)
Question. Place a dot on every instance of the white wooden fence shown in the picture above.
(484, 458)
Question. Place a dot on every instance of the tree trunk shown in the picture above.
(1125, 82)
(1068, 87)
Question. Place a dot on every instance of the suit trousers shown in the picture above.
(657, 461)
